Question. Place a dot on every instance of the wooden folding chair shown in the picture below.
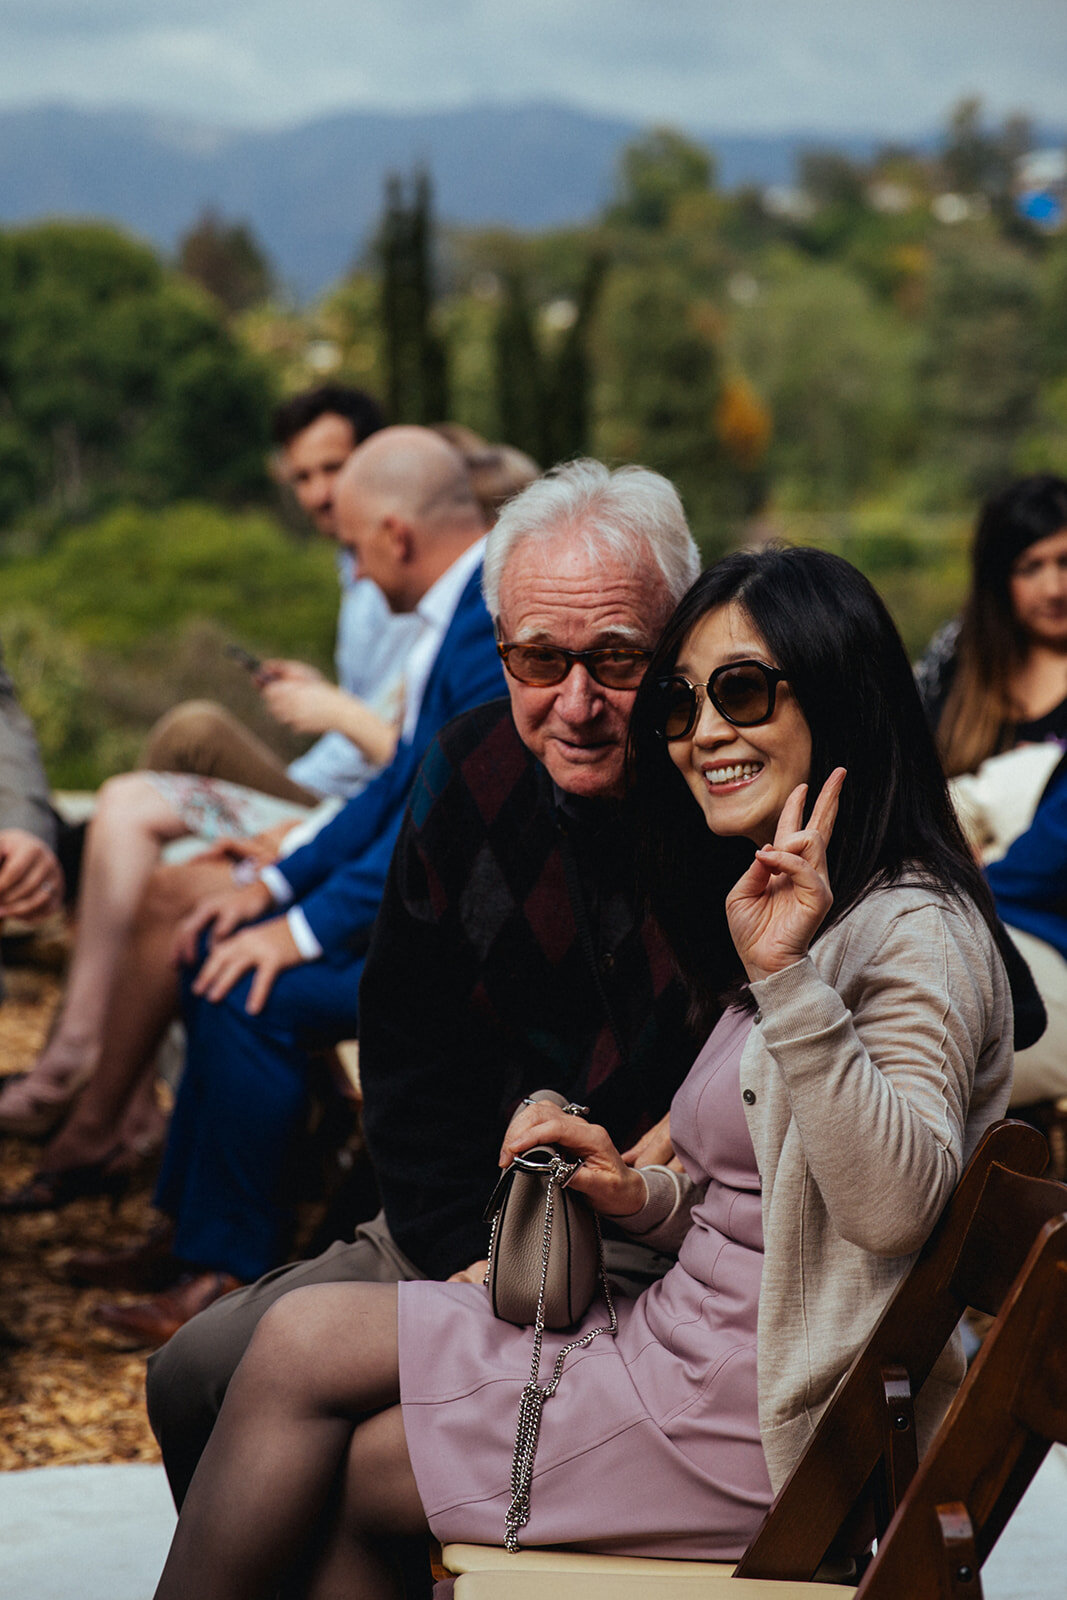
(1010, 1410)
(862, 1456)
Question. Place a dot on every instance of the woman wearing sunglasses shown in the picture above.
(787, 783)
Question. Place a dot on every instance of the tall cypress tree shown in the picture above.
(416, 363)
(519, 388)
(567, 408)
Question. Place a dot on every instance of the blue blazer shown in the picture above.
(338, 877)
(1029, 882)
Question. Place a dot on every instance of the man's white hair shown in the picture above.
(630, 515)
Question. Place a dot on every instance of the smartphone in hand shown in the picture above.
(244, 658)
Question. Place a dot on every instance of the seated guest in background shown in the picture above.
(281, 974)
(511, 952)
(137, 814)
(1026, 867)
(822, 1130)
(315, 433)
(997, 676)
(31, 878)
(407, 511)
(498, 471)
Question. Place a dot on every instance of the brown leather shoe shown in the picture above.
(152, 1322)
(148, 1266)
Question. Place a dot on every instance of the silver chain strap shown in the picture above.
(534, 1395)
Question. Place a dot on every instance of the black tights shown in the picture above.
(305, 1483)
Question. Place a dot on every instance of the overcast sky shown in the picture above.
(889, 66)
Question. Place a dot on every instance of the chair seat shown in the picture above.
(458, 1558)
(606, 1583)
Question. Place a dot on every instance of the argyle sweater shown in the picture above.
(508, 955)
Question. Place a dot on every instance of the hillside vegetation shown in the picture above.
(854, 362)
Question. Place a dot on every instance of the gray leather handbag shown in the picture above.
(545, 1264)
(521, 1243)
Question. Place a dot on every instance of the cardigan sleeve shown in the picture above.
(880, 1077)
(666, 1216)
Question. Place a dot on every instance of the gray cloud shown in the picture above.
(829, 64)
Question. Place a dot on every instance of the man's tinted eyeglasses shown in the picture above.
(543, 665)
(742, 692)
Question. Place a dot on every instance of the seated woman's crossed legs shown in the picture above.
(311, 1420)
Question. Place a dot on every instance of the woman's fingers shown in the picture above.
(791, 819)
(824, 812)
(544, 1123)
(794, 864)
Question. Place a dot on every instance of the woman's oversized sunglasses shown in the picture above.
(741, 691)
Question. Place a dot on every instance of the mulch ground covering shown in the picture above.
(68, 1393)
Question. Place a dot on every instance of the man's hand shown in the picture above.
(278, 671)
(654, 1148)
(305, 705)
(31, 879)
(225, 911)
(312, 705)
(266, 950)
(262, 848)
(475, 1273)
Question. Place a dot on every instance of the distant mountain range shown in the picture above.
(313, 193)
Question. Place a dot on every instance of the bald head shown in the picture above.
(406, 509)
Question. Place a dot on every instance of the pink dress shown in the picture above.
(650, 1445)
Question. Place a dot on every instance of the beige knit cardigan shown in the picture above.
(873, 1068)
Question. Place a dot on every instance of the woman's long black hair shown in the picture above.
(827, 629)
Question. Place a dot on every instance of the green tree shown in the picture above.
(979, 159)
(97, 346)
(519, 381)
(834, 366)
(568, 400)
(980, 362)
(227, 260)
(660, 365)
(415, 359)
(655, 171)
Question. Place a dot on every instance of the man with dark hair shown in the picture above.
(354, 406)
(316, 432)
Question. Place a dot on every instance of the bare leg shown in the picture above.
(322, 1362)
(117, 1106)
(131, 825)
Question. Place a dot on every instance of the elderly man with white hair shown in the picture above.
(511, 952)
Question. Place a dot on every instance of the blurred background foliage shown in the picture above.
(852, 362)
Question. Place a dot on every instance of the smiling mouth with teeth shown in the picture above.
(734, 773)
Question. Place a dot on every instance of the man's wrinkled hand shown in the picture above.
(475, 1273)
(223, 912)
(654, 1148)
(265, 950)
(31, 879)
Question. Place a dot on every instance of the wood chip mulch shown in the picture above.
(68, 1393)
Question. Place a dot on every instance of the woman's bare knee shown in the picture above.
(130, 804)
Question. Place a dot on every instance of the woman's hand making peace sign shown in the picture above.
(776, 908)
